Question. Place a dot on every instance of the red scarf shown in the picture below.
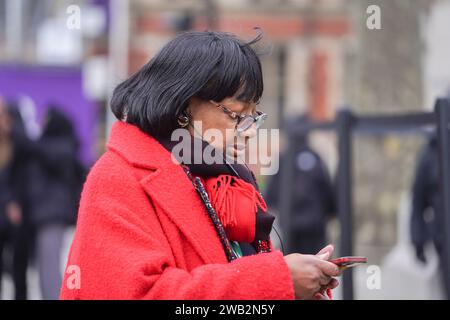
(236, 203)
(235, 196)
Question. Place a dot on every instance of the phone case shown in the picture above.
(347, 262)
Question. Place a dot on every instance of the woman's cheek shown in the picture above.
(230, 138)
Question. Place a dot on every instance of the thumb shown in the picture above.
(327, 251)
(324, 256)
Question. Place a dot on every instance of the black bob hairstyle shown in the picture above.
(207, 65)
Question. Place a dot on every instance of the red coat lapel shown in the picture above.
(169, 187)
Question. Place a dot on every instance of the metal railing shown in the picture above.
(346, 125)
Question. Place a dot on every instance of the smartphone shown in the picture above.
(348, 262)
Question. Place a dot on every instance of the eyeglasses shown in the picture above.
(244, 122)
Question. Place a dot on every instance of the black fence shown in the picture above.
(346, 125)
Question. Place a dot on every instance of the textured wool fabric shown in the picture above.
(143, 233)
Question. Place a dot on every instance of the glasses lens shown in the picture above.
(260, 120)
(245, 124)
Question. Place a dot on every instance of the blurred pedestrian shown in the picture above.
(427, 217)
(313, 198)
(13, 219)
(52, 193)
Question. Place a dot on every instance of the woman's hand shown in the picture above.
(321, 296)
(312, 274)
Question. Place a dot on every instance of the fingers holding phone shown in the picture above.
(329, 249)
(348, 262)
(343, 262)
(309, 274)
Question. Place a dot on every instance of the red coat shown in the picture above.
(143, 233)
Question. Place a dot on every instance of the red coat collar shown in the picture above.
(181, 203)
(137, 147)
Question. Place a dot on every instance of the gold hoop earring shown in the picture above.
(183, 121)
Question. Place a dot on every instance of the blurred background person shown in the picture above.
(13, 219)
(313, 201)
(5, 194)
(427, 218)
(53, 186)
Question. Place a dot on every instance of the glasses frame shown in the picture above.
(239, 117)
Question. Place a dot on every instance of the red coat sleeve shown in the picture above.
(121, 252)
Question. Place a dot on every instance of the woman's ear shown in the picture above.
(195, 107)
(194, 102)
(187, 112)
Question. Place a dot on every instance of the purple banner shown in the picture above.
(59, 86)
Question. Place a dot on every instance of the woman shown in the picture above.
(14, 227)
(151, 227)
(51, 192)
(10, 212)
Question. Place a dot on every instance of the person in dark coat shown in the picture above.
(313, 201)
(14, 227)
(6, 197)
(52, 192)
(427, 219)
